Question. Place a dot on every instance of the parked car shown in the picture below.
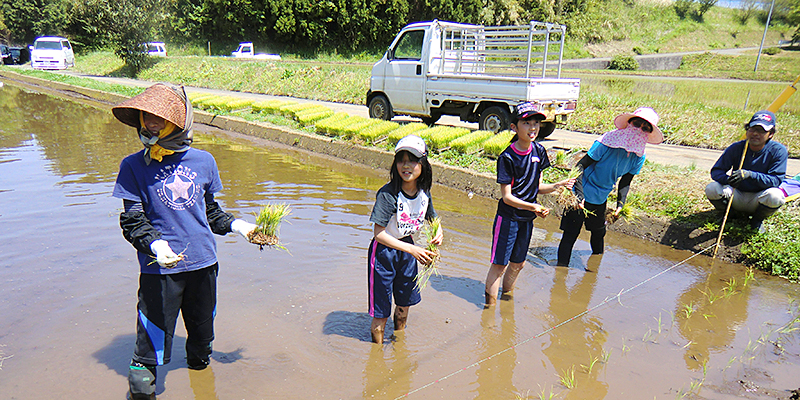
(245, 50)
(21, 55)
(52, 52)
(157, 49)
(5, 53)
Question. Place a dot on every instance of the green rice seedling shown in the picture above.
(309, 117)
(567, 378)
(497, 143)
(566, 197)
(340, 128)
(429, 231)
(560, 159)
(440, 139)
(710, 296)
(749, 276)
(730, 288)
(270, 106)
(626, 213)
(291, 110)
(605, 356)
(268, 222)
(323, 126)
(405, 130)
(373, 133)
(356, 127)
(471, 142)
(688, 309)
(658, 321)
(588, 368)
(546, 396)
(237, 104)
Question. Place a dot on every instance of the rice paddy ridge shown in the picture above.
(605, 301)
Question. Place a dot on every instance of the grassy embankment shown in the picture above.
(671, 192)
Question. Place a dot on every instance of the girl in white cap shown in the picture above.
(170, 216)
(401, 207)
(617, 155)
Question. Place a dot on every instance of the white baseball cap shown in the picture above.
(412, 144)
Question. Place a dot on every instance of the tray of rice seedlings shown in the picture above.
(352, 130)
(372, 134)
(237, 104)
(291, 110)
(471, 142)
(429, 231)
(202, 102)
(495, 145)
(196, 97)
(335, 128)
(309, 117)
(268, 223)
(270, 106)
(220, 103)
(440, 139)
(405, 130)
(329, 125)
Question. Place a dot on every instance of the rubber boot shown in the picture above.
(762, 212)
(142, 381)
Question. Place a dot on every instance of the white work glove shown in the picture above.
(242, 227)
(727, 192)
(164, 254)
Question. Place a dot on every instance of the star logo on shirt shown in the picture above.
(179, 188)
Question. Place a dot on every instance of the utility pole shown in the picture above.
(769, 17)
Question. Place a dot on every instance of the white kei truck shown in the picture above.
(476, 72)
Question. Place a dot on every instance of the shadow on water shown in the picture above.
(350, 324)
(462, 287)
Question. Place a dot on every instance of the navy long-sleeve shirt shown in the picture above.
(768, 166)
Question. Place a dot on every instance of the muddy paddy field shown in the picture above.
(643, 321)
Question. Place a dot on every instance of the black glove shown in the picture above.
(738, 176)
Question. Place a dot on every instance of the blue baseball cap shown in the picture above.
(765, 118)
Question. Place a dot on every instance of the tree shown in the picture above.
(132, 27)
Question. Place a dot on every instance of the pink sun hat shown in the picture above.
(647, 114)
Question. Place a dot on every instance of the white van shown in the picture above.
(157, 49)
(52, 52)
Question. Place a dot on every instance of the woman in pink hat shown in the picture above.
(617, 155)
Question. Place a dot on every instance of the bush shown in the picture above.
(623, 63)
(771, 51)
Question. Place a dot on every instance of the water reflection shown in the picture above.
(388, 370)
(576, 351)
(495, 376)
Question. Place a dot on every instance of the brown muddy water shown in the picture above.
(295, 325)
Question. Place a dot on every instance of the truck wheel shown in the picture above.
(494, 119)
(545, 130)
(380, 108)
(432, 119)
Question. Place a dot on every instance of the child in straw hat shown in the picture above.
(170, 217)
(617, 155)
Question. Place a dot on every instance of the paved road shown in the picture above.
(661, 154)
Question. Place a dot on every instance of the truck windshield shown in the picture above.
(409, 47)
(42, 45)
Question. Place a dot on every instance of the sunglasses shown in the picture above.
(641, 124)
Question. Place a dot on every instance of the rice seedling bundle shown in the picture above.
(375, 132)
(268, 222)
(328, 125)
(309, 117)
(626, 213)
(442, 138)
(429, 231)
(290, 110)
(566, 198)
(496, 144)
(237, 104)
(470, 142)
(405, 130)
(270, 106)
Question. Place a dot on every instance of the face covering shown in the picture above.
(631, 139)
(153, 150)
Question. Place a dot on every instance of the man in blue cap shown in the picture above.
(753, 188)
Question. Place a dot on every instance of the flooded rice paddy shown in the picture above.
(294, 325)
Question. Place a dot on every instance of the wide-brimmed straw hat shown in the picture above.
(159, 100)
(647, 114)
